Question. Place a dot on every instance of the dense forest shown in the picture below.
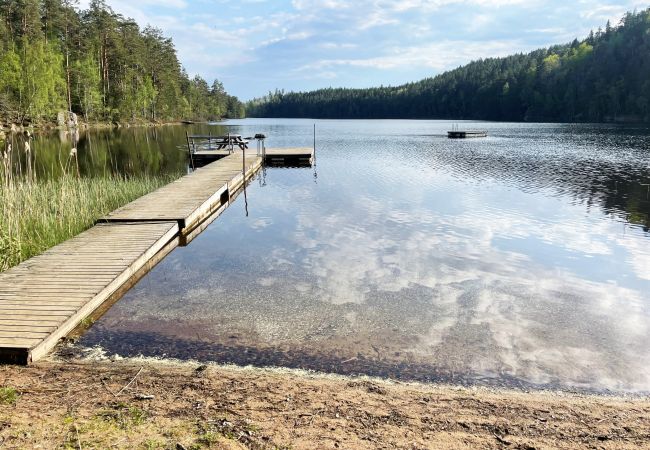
(605, 77)
(96, 63)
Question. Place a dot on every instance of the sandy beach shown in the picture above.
(150, 404)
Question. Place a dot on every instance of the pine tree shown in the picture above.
(603, 77)
(95, 63)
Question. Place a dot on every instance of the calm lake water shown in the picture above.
(521, 259)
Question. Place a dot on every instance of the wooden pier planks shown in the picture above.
(457, 134)
(192, 197)
(294, 156)
(45, 297)
(290, 151)
(290, 156)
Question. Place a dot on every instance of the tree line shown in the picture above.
(604, 77)
(96, 63)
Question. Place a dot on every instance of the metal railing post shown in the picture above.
(189, 150)
(243, 163)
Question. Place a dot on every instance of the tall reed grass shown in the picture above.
(36, 214)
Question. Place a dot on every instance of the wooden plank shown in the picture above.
(19, 342)
(277, 156)
(39, 302)
(37, 316)
(60, 289)
(30, 323)
(90, 306)
(24, 334)
(189, 234)
(39, 313)
(46, 297)
(30, 309)
(213, 203)
(191, 198)
(26, 328)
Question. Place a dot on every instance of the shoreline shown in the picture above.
(97, 355)
(7, 129)
(140, 403)
(83, 126)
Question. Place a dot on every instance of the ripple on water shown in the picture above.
(520, 259)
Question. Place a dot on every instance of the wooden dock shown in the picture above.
(192, 198)
(294, 157)
(460, 134)
(46, 297)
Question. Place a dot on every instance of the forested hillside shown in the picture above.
(96, 63)
(605, 77)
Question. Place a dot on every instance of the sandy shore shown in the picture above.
(145, 404)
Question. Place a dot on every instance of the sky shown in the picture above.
(256, 46)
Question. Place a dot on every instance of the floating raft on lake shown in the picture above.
(43, 299)
(294, 157)
(459, 134)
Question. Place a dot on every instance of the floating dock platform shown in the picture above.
(293, 157)
(46, 297)
(457, 134)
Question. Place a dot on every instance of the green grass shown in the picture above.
(8, 396)
(124, 415)
(38, 214)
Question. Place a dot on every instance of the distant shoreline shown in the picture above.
(610, 122)
(51, 126)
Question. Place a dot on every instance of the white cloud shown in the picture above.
(400, 5)
(337, 46)
(378, 41)
(438, 56)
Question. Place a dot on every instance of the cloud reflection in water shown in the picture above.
(498, 276)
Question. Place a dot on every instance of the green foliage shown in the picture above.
(10, 73)
(43, 84)
(38, 214)
(605, 77)
(87, 322)
(101, 64)
(209, 438)
(123, 415)
(551, 63)
(87, 92)
(8, 396)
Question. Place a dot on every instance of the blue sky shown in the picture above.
(254, 46)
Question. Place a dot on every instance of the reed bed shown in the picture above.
(36, 214)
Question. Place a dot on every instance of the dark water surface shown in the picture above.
(125, 151)
(519, 259)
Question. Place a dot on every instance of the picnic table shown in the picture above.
(228, 142)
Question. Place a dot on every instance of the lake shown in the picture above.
(521, 259)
